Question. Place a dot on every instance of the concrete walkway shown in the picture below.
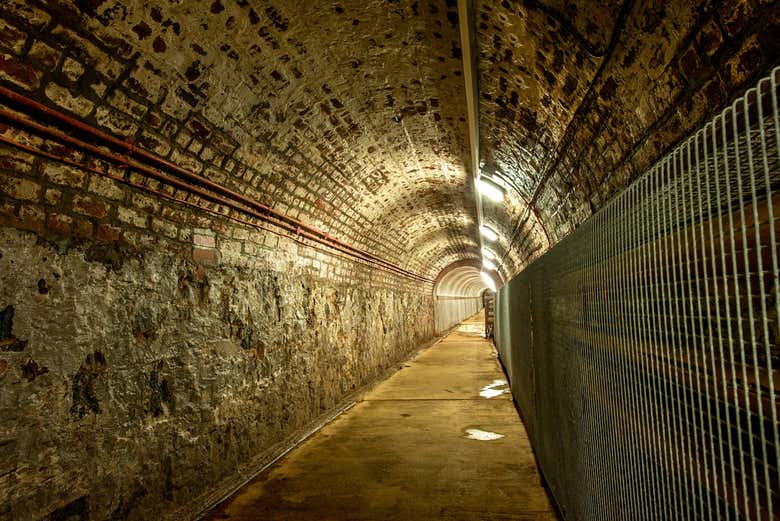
(440, 439)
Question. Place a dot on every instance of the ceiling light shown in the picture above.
(489, 282)
(488, 254)
(490, 189)
(488, 264)
(488, 233)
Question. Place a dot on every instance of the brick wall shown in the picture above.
(571, 119)
(250, 101)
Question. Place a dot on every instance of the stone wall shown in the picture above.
(153, 345)
(133, 381)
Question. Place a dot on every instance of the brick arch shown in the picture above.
(297, 106)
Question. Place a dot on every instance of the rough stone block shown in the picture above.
(98, 88)
(52, 197)
(59, 223)
(66, 175)
(145, 81)
(743, 64)
(72, 69)
(690, 63)
(31, 218)
(31, 14)
(186, 161)
(205, 241)
(709, 38)
(18, 73)
(229, 246)
(16, 161)
(154, 142)
(120, 101)
(83, 228)
(145, 202)
(173, 105)
(7, 212)
(138, 240)
(208, 154)
(62, 97)
(20, 189)
(108, 233)
(133, 217)
(735, 15)
(166, 228)
(115, 122)
(42, 55)
(11, 38)
(89, 206)
(241, 234)
(105, 187)
(88, 53)
(253, 249)
(175, 213)
(185, 235)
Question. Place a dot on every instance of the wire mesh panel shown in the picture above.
(643, 348)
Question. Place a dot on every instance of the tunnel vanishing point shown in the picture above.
(223, 221)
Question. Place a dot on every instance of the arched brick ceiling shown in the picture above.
(536, 62)
(460, 281)
(350, 115)
(351, 111)
(578, 97)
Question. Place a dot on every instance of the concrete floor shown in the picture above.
(417, 447)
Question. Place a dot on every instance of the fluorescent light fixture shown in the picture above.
(490, 189)
(487, 254)
(488, 280)
(488, 233)
(488, 265)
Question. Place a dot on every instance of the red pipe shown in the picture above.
(348, 256)
(132, 150)
(222, 196)
(206, 195)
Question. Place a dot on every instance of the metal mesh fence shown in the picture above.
(643, 349)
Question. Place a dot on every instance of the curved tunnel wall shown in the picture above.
(159, 339)
(281, 194)
(457, 295)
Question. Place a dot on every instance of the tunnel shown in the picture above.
(389, 259)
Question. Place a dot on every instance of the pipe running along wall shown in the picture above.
(180, 178)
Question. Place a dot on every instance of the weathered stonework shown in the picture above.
(579, 98)
(153, 340)
(132, 385)
(155, 345)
